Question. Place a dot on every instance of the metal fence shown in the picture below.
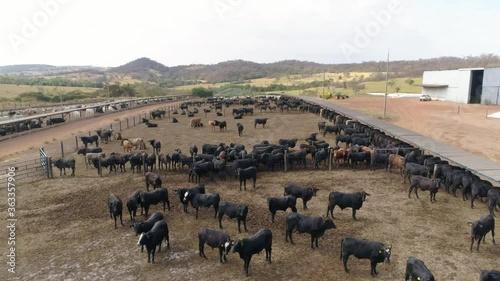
(31, 169)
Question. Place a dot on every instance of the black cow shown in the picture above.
(343, 138)
(415, 170)
(364, 249)
(281, 204)
(152, 179)
(244, 174)
(151, 125)
(362, 156)
(288, 142)
(150, 161)
(316, 226)
(115, 205)
(320, 156)
(91, 140)
(247, 247)
(62, 164)
(223, 126)
(489, 275)
(183, 192)
(298, 157)
(105, 163)
(203, 200)
(380, 158)
(417, 271)
(214, 239)
(154, 238)
(346, 200)
(270, 160)
(233, 210)
(200, 169)
(174, 120)
(262, 121)
(480, 228)
(136, 162)
(493, 199)
(156, 146)
(145, 226)
(84, 151)
(305, 193)
(153, 198)
(193, 150)
(424, 184)
(133, 202)
(330, 129)
(56, 120)
(480, 189)
(360, 141)
(240, 129)
(105, 134)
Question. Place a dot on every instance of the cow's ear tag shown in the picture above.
(380, 252)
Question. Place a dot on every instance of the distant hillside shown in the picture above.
(20, 68)
(45, 69)
(140, 65)
(239, 71)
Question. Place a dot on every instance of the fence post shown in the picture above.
(89, 133)
(120, 125)
(49, 167)
(127, 122)
(134, 120)
(62, 149)
(76, 142)
(285, 161)
(99, 169)
(330, 158)
(111, 126)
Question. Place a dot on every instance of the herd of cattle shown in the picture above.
(360, 144)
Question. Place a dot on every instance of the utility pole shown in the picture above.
(386, 80)
(324, 74)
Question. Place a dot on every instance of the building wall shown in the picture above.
(458, 82)
(491, 86)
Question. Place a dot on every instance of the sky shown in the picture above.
(112, 33)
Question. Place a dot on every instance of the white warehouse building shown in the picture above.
(468, 85)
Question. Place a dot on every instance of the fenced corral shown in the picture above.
(29, 170)
(118, 126)
(15, 127)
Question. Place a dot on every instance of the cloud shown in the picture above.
(110, 33)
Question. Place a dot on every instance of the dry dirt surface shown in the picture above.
(64, 231)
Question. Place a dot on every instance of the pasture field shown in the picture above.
(11, 91)
(64, 230)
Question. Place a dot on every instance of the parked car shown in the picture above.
(425, 98)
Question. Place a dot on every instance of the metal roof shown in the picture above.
(478, 165)
(44, 115)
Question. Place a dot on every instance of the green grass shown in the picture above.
(11, 91)
(379, 86)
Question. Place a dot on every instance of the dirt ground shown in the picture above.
(64, 230)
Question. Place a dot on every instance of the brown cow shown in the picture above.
(396, 161)
(338, 155)
(195, 122)
(211, 124)
(127, 146)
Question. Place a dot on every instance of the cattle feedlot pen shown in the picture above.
(473, 163)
